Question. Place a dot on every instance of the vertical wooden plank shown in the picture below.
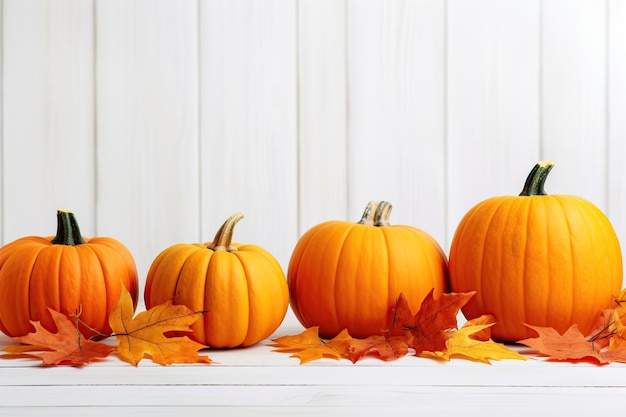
(147, 102)
(574, 97)
(492, 100)
(322, 112)
(249, 133)
(48, 115)
(396, 67)
(616, 209)
(1, 124)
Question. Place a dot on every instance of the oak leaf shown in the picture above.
(65, 347)
(431, 326)
(308, 346)
(145, 334)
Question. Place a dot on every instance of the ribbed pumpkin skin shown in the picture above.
(244, 291)
(349, 275)
(544, 260)
(36, 274)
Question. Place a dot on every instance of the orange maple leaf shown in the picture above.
(605, 344)
(430, 326)
(145, 334)
(571, 345)
(385, 348)
(65, 347)
(308, 346)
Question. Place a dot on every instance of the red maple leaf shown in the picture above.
(431, 326)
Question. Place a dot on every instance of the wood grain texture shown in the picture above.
(148, 127)
(574, 97)
(48, 144)
(322, 113)
(616, 115)
(396, 151)
(248, 149)
(492, 118)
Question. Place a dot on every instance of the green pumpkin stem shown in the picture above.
(68, 232)
(537, 179)
(224, 236)
(376, 214)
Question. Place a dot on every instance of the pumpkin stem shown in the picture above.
(224, 236)
(537, 178)
(68, 232)
(376, 214)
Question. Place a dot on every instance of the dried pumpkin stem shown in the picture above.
(537, 179)
(224, 236)
(376, 214)
(68, 232)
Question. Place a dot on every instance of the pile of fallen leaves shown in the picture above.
(432, 332)
(146, 335)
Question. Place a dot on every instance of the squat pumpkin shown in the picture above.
(349, 275)
(544, 260)
(68, 273)
(242, 288)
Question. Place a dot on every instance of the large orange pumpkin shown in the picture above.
(544, 260)
(242, 287)
(349, 275)
(68, 273)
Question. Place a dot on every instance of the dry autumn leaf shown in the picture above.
(385, 348)
(65, 347)
(308, 346)
(464, 343)
(431, 325)
(145, 334)
(604, 345)
(432, 332)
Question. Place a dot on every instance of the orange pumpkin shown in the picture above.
(242, 288)
(349, 275)
(68, 273)
(544, 260)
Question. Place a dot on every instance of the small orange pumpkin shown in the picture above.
(349, 275)
(242, 287)
(544, 260)
(68, 273)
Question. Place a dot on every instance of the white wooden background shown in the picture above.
(154, 120)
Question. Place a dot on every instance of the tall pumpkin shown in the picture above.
(242, 287)
(544, 260)
(68, 273)
(349, 275)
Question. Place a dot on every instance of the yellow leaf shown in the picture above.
(461, 344)
(309, 347)
(145, 334)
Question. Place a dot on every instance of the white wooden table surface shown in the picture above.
(256, 381)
